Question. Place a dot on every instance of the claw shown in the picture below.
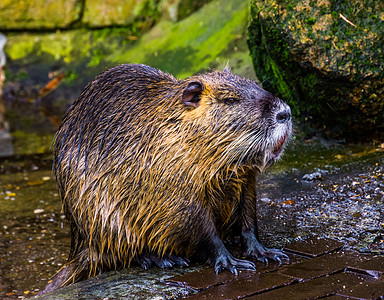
(264, 254)
(145, 265)
(234, 271)
(146, 260)
(232, 264)
(218, 269)
(263, 260)
(180, 261)
(284, 257)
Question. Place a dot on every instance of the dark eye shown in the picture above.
(230, 100)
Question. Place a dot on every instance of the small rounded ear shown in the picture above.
(192, 93)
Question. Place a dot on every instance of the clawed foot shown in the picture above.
(167, 261)
(256, 250)
(227, 261)
(264, 254)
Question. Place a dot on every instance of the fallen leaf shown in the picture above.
(287, 202)
(52, 85)
(36, 182)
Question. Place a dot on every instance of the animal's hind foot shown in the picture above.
(146, 260)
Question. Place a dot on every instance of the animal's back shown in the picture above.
(101, 156)
(117, 105)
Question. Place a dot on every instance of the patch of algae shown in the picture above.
(196, 43)
(191, 45)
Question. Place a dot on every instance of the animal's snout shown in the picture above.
(283, 116)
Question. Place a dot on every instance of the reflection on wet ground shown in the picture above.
(33, 239)
(328, 190)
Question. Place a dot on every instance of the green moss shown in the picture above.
(326, 58)
(38, 14)
(31, 143)
(310, 21)
(183, 48)
(19, 47)
(70, 77)
(191, 45)
(68, 46)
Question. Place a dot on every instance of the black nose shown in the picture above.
(283, 116)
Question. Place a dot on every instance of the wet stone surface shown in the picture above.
(338, 274)
(240, 288)
(207, 277)
(133, 283)
(314, 246)
(316, 288)
(346, 204)
(366, 290)
(323, 265)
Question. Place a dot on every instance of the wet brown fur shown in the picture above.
(141, 171)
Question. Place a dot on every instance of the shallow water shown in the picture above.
(344, 201)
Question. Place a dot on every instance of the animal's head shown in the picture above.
(249, 126)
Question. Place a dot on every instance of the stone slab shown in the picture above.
(373, 266)
(207, 278)
(314, 246)
(336, 297)
(244, 287)
(366, 290)
(99, 13)
(316, 288)
(323, 265)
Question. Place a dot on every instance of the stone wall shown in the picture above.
(70, 14)
(39, 14)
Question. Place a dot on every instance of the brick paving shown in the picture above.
(318, 268)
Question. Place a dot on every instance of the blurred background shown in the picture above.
(54, 48)
(325, 58)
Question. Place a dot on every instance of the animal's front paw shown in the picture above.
(227, 261)
(264, 254)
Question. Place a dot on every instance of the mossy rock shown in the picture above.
(327, 59)
(38, 14)
(101, 13)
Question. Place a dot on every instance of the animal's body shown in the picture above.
(152, 169)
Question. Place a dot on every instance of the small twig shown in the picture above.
(346, 20)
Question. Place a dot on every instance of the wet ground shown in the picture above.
(318, 268)
(33, 238)
(336, 191)
(329, 190)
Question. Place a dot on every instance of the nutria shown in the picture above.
(153, 170)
